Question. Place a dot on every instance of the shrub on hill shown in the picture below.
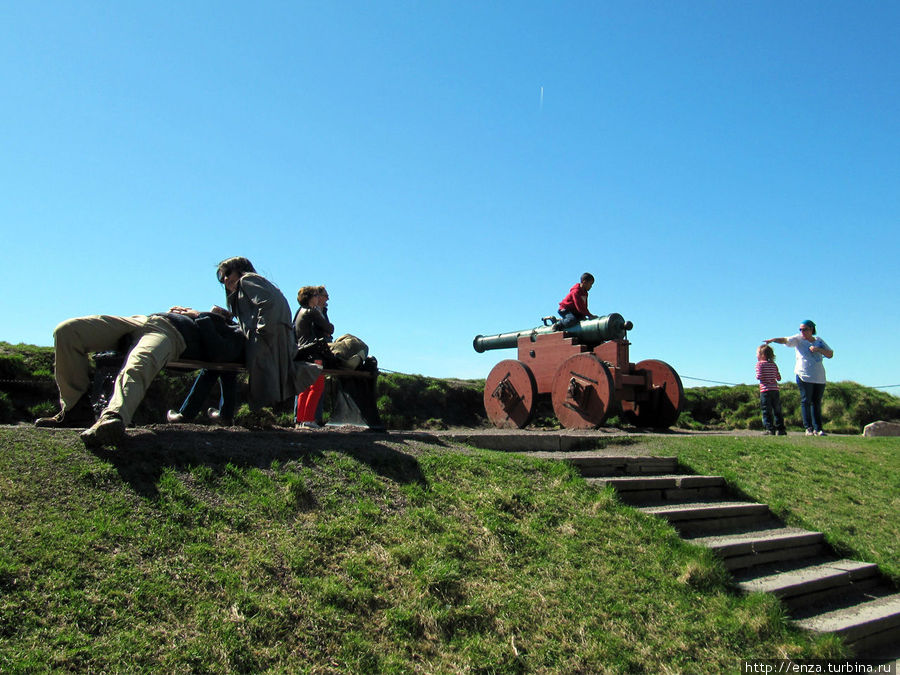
(415, 401)
(23, 360)
(7, 409)
(26, 382)
(847, 407)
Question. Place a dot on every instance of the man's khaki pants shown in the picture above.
(156, 342)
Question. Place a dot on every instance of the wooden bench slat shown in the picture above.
(239, 367)
(357, 394)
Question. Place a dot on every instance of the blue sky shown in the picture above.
(724, 169)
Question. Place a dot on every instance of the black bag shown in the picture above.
(317, 350)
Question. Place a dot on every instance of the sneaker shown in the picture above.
(108, 430)
(781, 432)
(821, 433)
(810, 432)
(174, 417)
(307, 425)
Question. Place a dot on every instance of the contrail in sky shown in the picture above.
(542, 99)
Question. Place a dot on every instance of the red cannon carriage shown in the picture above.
(586, 372)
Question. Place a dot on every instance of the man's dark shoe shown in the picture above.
(58, 420)
(79, 416)
(216, 418)
(108, 430)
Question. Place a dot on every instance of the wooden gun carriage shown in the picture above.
(586, 372)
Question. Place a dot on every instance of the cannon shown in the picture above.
(585, 371)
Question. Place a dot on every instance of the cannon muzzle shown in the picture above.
(590, 332)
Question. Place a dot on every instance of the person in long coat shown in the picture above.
(264, 316)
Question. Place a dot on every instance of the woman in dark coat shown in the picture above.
(264, 316)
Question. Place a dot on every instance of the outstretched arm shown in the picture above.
(780, 340)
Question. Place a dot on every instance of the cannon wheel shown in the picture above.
(510, 393)
(663, 407)
(583, 392)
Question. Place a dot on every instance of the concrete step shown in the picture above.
(753, 548)
(594, 465)
(868, 623)
(708, 517)
(668, 487)
(812, 581)
(823, 594)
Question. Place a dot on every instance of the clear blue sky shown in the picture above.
(725, 169)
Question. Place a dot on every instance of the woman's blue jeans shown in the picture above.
(811, 394)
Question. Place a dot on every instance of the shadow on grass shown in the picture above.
(141, 459)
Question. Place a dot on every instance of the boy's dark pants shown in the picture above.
(770, 402)
(202, 386)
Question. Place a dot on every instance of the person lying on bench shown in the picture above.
(224, 343)
(157, 339)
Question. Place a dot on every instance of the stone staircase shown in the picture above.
(822, 592)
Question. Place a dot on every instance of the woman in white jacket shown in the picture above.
(810, 373)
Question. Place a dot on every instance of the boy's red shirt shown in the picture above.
(575, 301)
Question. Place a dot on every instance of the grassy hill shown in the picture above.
(404, 401)
(229, 551)
(846, 408)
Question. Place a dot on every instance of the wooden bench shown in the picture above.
(353, 391)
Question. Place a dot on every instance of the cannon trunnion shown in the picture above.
(585, 370)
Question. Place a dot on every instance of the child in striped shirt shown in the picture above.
(769, 394)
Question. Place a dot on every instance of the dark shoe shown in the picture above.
(78, 417)
(174, 417)
(58, 420)
(108, 430)
(781, 432)
(216, 418)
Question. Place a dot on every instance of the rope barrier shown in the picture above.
(700, 379)
(731, 384)
(34, 380)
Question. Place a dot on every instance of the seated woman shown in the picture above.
(310, 327)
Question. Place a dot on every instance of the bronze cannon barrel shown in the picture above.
(590, 331)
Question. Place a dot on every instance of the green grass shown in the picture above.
(398, 558)
(847, 487)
